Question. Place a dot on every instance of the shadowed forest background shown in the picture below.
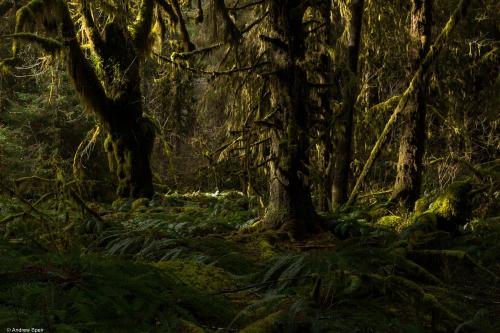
(250, 165)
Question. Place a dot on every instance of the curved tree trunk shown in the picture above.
(290, 208)
(412, 146)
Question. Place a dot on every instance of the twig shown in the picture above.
(212, 73)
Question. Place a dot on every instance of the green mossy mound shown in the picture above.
(390, 221)
(449, 211)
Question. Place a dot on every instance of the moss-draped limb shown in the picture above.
(142, 26)
(49, 45)
(24, 15)
(427, 61)
(82, 73)
(385, 105)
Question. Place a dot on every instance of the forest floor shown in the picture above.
(184, 263)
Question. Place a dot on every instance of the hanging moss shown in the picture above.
(123, 159)
(108, 148)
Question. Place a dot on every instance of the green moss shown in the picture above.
(452, 203)
(266, 249)
(390, 221)
(449, 210)
(122, 205)
(140, 203)
(271, 323)
(421, 205)
(200, 276)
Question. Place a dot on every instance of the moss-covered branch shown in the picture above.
(81, 72)
(49, 45)
(428, 60)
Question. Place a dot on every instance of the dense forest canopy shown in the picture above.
(289, 162)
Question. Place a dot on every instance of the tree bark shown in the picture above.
(290, 208)
(412, 146)
(343, 146)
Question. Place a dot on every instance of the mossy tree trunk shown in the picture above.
(344, 128)
(117, 55)
(412, 146)
(290, 208)
(329, 76)
(108, 80)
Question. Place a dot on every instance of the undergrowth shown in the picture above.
(179, 263)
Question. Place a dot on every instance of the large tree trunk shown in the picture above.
(290, 208)
(129, 145)
(343, 146)
(114, 94)
(412, 145)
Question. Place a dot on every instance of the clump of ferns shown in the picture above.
(147, 239)
(327, 279)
